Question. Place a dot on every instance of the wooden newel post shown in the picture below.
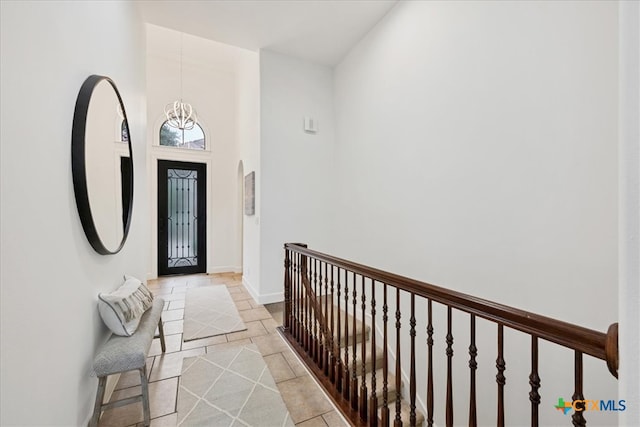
(289, 251)
(287, 289)
(611, 349)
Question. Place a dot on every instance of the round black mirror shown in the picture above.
(102, 164)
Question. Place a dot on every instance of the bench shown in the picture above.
(121, 354)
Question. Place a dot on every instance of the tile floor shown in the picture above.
(306, 403)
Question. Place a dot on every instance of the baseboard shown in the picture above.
(271, 298)
(249, 287)
(262, 298)
(225, 269)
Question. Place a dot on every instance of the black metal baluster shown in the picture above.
(398, 420)
(332, 346)
(346, 388)
(339, 336)
(316, 337)
(363, 352)
(473, 366)
(578, 415)
(534, 382)
(373, 402)
(354, 335)
(429, 365)
(500, 378)
(385, 362)
(412, 375)
(449, 410)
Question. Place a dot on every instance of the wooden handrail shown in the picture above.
(601, 345)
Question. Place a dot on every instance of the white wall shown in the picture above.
(629, 191)
(248, 134)
(50, 274)
(209, 84)
(297, 168)
(476, 149)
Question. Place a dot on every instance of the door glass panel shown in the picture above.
(182, 217)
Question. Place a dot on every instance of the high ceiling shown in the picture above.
(321, 31)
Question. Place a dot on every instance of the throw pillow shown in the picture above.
(122, 309)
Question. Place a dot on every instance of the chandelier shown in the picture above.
(180, 115)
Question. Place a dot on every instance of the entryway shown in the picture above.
(182, 217)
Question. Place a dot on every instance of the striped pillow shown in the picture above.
(122, 309)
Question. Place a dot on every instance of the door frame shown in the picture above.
(203, 208)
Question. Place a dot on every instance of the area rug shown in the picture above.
(210, 311)
(232, 386)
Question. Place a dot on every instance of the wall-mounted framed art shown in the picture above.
(250, 194)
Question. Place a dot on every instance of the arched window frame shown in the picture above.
(181, 145)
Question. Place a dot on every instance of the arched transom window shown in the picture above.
(192, 139)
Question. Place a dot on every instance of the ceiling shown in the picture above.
(320, 31)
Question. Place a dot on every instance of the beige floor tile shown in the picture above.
(177, 304)
(162, 401)
(255, 314)
(254, 304)
(333, 419)
(279, 368)
(173, 327)
(242, 296)
(217, 347)
(243, 305)
(254, 329)
(270, 325)
(172, 342)
(233, 283)
(171, 315)
(295, 364)
(170, 420)
(179, 289)
(218, 339)
(303, 399)
(170, 364)
(270, 344)
(313, 422)
(235, 290)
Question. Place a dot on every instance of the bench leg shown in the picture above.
(97, 409)
(145, 396)
(161, 330)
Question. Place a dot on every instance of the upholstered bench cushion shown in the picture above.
(120, 354)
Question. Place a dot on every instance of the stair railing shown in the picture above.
(319, 287)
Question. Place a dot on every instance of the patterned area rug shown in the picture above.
(210, 311)
(229, 387)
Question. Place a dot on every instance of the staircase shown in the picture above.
(355, 343)
(327, 300)
(349, 335)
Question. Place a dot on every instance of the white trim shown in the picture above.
(225, 269)
(271, 298)
(180, 156)
(262, 298)
(249, 287)
(155, 142)
(629, 208)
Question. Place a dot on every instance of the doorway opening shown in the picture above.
(182, 217)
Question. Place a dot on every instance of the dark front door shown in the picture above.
(182, 217)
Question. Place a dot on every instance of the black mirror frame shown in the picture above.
(79, 167)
